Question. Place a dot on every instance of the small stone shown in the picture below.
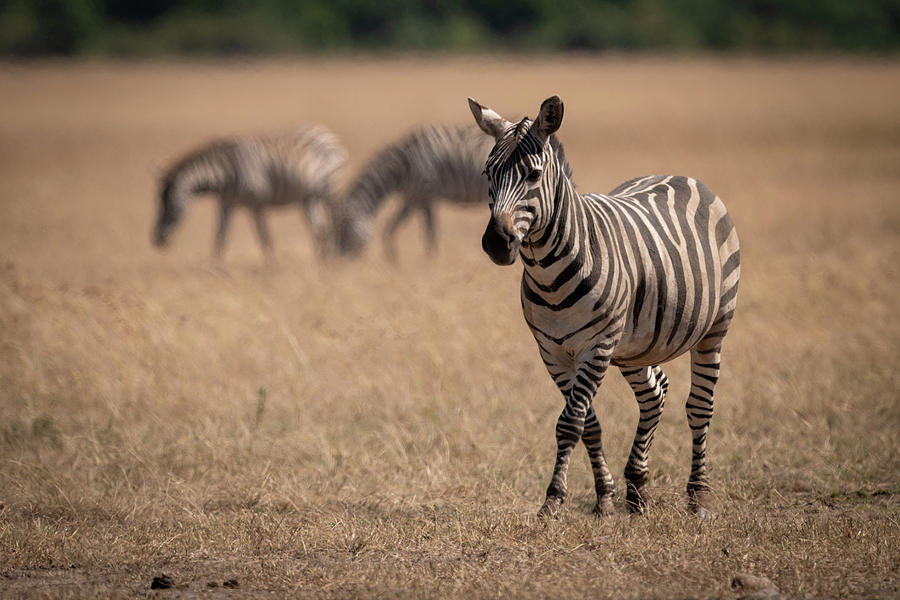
(163, 582)
(231, 584)
(763, 594)
(212, 584)
(755, 587)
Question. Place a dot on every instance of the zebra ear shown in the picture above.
(550, 116)
(490, 122)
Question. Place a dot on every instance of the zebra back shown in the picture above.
(261, 169)
(683, 264)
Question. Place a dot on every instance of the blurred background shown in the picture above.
(229, 27)
(362, 426)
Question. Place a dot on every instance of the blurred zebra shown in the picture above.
(429, 164)
(631, 279)
(300, 166)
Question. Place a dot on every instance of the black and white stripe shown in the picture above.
(431, 163)
(300, 167)
(630, 279)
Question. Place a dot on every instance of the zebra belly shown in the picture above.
(654, 346)
(567, 346)
(637, 355)
(635, 336)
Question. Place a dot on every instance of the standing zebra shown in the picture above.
(429, 164)
(300, 166)
(632, 279)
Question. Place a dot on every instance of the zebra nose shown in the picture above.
(504, 232)
(160, 236)
(500, 242)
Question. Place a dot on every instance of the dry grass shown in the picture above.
(371, 430)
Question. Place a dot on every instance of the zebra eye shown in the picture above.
(534, 175)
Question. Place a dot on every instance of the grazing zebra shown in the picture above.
(430, 163)
(631, 279)
(300, 166)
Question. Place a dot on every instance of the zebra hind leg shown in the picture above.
(705, 364)
(650, 385)
(262, 231)
(320, 222)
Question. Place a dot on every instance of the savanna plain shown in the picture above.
(366, 428)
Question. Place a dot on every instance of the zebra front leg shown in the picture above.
(705, 361)
(222, 230)
(570, 426)
(603, 480)
(649, 385)
(390, 230)
(430, 227)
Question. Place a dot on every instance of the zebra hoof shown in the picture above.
(699, 501)
(604, 507)
(551, 508)
(637, 498)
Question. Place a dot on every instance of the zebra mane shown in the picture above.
(522, 128)
(211, 148)
(519, 141)
(561, 155)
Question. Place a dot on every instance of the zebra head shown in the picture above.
(523, 169)
(171, 207)
(351, 231)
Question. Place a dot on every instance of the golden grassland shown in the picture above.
(372, 429)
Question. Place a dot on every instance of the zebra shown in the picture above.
(431, 163)
(301, 166)
(630, 279)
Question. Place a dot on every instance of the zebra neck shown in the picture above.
(380, 177)
(545, 244)
(203, 173)
(571, 256)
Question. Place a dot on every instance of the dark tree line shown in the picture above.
(155, 27)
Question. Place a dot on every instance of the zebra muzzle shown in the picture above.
(160, 237)
(500, 243)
